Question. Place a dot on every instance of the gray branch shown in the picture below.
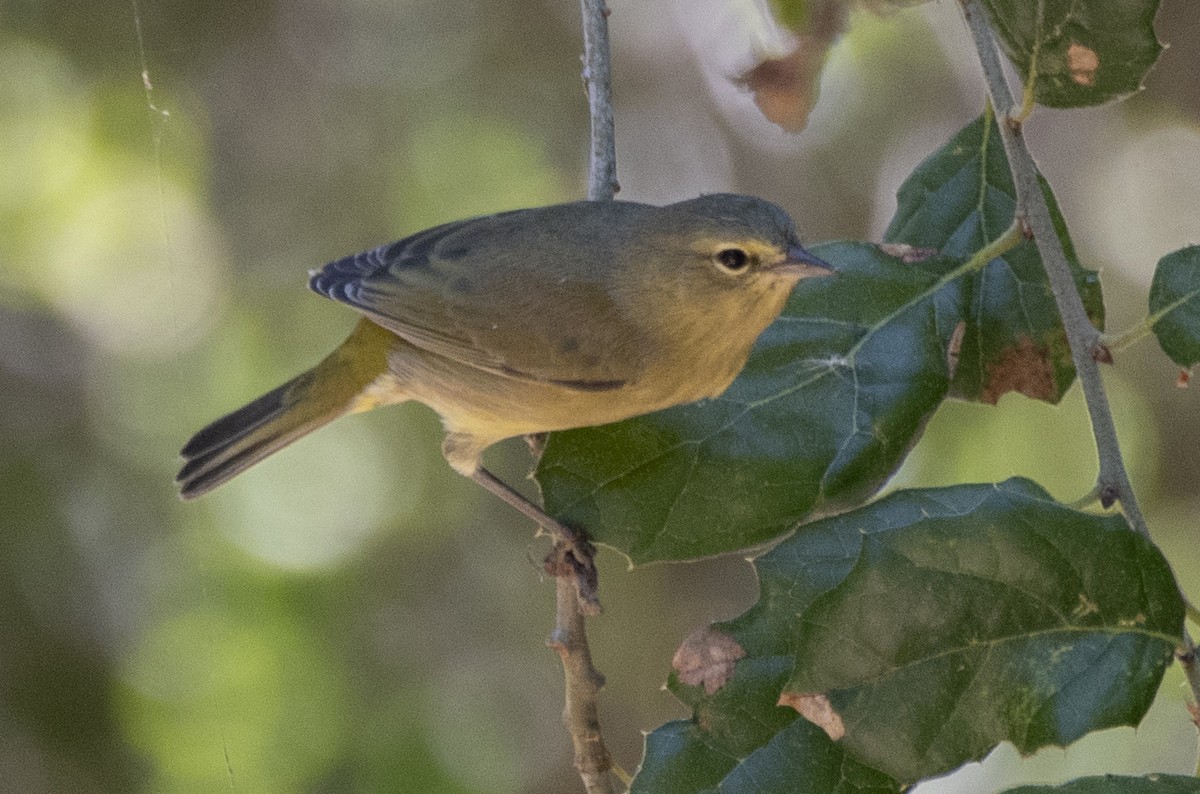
(1084, 339)
(597, 75)
(582, 682)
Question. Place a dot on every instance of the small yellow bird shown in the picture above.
(530, 321)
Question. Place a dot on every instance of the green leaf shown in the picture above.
(677, 760)
(1014, 617)
(800, 759)
(741, 741)
(956, 201)
(937, 623)
(1114, 784)
(1175, 305)
(1082, 52)
(839, 388)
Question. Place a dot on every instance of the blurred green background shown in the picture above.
(352, 616)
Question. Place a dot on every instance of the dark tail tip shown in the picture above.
(236, 441)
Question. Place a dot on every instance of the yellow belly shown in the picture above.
(493, 406)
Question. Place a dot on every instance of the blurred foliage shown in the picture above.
(353, 616)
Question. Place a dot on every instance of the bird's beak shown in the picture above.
(804, 264)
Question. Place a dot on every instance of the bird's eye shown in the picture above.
(733, 259)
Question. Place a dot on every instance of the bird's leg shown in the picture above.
(578, 555)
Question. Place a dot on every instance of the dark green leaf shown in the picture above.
(959, 199)
(1175, 305)
(1083, 52)
(800, 759)
(677, 761)
(839, 388)
(937, 623)
(741, 741)
(1014, 617)
(741, 716)
(1113, 784)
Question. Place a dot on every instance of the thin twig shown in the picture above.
(582, 682)
(1083, 337)
(581, 714)
(1085, 341)
(597, 75)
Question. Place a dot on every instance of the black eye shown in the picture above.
(733, 259)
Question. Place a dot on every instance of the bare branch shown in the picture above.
(597, 75)
(1084, 339)
(583, 682)
(581, 713)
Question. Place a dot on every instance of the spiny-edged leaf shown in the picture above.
(835, 393)
(1014, 618)
(1175, 305)
(958, 199)
(1076, 591)
(839, 388)
(740, 741)
(1082, 52)
(1116, 784)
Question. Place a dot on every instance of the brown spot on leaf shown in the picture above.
(817, 709)
(706, 658)
(954, 348)
(1102, 354)
(1185, 377)
(1024, 368)
(1082, 62)
(908, 254)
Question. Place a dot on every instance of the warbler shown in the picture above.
(530, 321)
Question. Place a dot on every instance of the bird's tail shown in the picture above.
(340, 384)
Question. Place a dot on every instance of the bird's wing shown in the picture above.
(521, 294)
